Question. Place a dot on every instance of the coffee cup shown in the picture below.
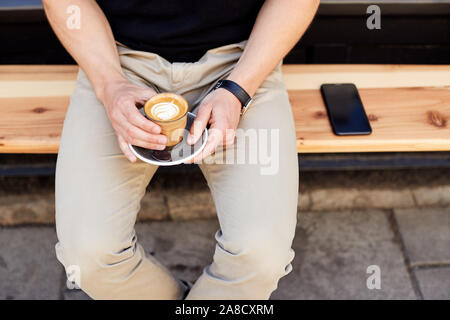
(169, 111)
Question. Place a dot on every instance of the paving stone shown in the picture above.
(40, 208)
(434, 283)
(333, 252)
(30, 208)
(438, 196)
(185, 204)
(184, 247)
(304, 201)
(353, 198)
(153, 206)
(28, 265)
(74, 294)
(426, 234)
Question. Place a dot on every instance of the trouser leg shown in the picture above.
(98, 194)
(256, 202)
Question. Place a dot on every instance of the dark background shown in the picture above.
(411, 32)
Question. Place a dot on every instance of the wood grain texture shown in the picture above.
(58, 80)
(37, 80)
(38, 72)
(31, 125)
(34, 99)
(303, 77)
(402, 119)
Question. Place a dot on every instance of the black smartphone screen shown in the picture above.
(345, 109)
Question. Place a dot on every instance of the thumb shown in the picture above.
(145, 94)
(199, 124)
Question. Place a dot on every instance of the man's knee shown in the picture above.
(95, 256)
(265, 259)
(270, 262)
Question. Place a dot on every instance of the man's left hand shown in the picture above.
(222, 110)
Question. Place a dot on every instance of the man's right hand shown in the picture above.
(120, 100)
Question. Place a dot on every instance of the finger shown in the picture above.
(199, 124)
(148, 145)
(136, 118)
(214, 139)
(145, 94)
(133, 134)
(126, 149)
(228, 137)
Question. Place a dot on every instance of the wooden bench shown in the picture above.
(408, 107)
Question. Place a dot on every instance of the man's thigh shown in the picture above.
(97, 190)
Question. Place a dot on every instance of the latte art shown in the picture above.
(169, 111)
(165, 111)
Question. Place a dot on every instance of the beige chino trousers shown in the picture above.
(98, 191)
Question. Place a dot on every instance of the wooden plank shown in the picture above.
(38, 72)
(37, 80)
(33, 102)
(30, 89)
(31, 125)
(303, 77)
(402, 119)
(44, 81)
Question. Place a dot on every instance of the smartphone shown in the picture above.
(345, 109)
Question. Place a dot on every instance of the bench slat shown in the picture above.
(58, 80)
(31, 125)
(34, 99)
(311, 76)
(402, 119)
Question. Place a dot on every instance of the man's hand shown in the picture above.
(120, 101)
(221, 109)
(94, 49)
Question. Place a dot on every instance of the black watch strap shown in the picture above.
(237, 91)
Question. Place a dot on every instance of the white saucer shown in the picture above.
(181, 153)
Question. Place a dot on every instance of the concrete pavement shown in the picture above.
(333, 251)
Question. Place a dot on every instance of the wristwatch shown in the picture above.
(237, 91)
